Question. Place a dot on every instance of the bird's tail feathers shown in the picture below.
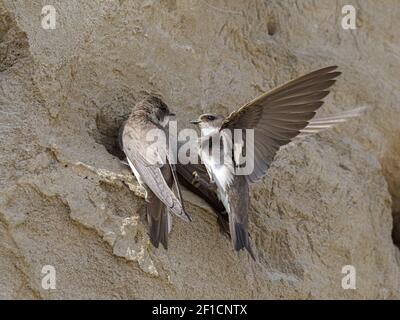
(240, 238)
(159, 224)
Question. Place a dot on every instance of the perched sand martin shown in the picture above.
(277, 117)
(153, 170)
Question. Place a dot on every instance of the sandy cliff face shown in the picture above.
(66, 201)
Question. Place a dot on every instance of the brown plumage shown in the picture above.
(152, 169)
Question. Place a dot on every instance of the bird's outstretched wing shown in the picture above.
(321, 124)
(279, 115)
(135, 148)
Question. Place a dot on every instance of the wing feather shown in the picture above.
(150, 173)
(321, 124)
(281, 114)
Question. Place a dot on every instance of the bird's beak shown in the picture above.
(195, 121)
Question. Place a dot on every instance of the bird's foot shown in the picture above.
(198, 181)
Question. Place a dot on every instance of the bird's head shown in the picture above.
(156, 110)
(209, 123)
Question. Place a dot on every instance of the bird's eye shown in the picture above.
(210, 118)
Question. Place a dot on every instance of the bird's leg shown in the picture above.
(198, 181)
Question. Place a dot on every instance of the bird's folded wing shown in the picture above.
(186, 178)
(152, 176)
(279, 115)
(178, 188)
(185, 174)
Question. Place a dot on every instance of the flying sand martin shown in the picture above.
(152, 166)
(276, 118)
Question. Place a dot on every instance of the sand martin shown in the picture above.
(276, 117)
(152, 167)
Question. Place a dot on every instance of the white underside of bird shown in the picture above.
(220, 169)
